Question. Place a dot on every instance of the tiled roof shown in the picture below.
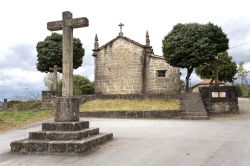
(207, 82)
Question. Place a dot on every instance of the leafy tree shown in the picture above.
(50, 53)
(190, 45)
(242, 72)
(81, 85)
(242, 75)
(227, 69)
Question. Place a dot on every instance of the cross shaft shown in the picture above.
(55, 69)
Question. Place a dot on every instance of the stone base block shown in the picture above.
(59, 146)
(67, 109)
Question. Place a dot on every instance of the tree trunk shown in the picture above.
(189, 72)
(212, 80)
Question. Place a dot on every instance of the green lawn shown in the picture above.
(130, 105)
(14, 119)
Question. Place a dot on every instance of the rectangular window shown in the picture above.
(161, 73)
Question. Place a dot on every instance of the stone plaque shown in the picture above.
(218, 94)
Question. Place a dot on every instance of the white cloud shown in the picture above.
(247, 66)
(24, 24)
(16, 83)
(22, 56)
(85, 71)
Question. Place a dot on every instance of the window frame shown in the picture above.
(161, 73)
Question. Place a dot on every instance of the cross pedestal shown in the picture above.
(67, 109)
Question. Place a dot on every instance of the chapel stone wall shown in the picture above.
(119, 68)
(166, 86)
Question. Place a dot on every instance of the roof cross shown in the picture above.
(121, 25)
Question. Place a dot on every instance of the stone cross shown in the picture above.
(67, 25)
(55, 69)
(216, 77)
(121, 25)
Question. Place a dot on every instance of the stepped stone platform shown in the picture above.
(194, 107)
(61, 138)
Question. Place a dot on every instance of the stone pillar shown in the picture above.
(67, 109)
(147, 52)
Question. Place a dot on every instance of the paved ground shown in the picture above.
(217, 142)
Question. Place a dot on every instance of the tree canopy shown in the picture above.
(190, 45)
(227, 69)
(49, 52)
(81, 85)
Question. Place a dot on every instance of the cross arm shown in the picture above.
(55, 25)
(79, 22)
(75, 23)
(55, 68)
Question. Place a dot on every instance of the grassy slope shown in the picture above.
(130, 105)
(21, 114)
(19, 117)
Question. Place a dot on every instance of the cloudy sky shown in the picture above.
(23, 24)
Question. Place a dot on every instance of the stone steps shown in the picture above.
(61, 137)
(194, 107)
(59, 146)
(65, 126)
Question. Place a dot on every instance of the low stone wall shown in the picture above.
(127, 96)
(220, 99)
(134, 114)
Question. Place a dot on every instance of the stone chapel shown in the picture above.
(126, 67)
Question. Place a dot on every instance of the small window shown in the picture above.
(161, 73)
